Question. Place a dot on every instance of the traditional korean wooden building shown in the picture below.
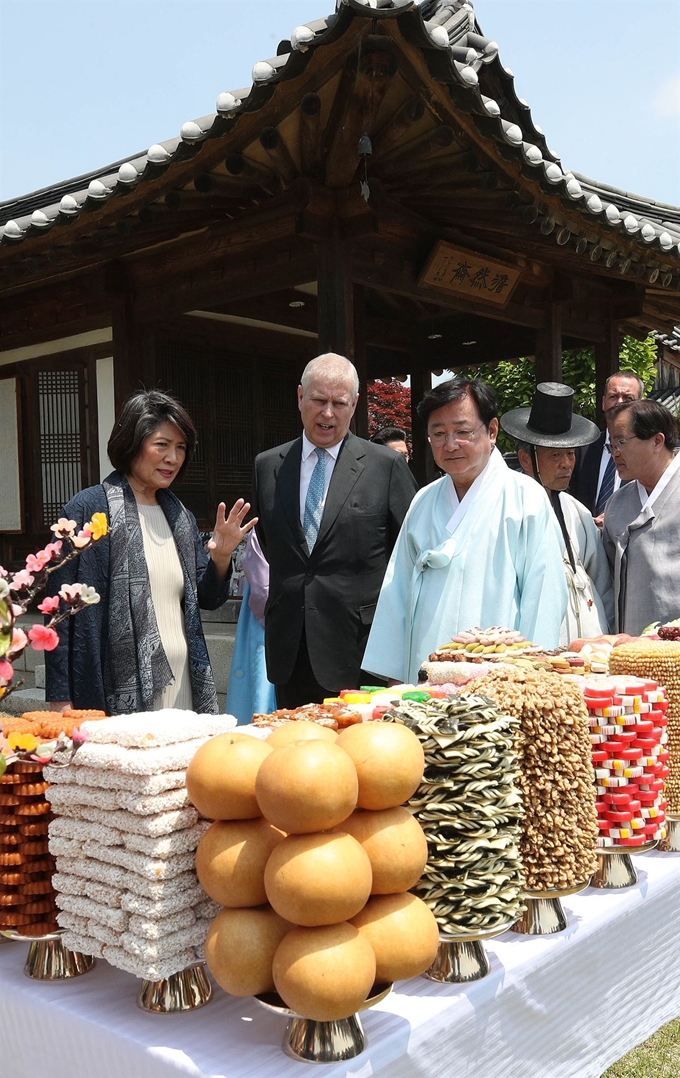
(379, 190)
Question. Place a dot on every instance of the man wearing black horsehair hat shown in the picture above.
(547, 435)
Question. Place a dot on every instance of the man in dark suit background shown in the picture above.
(595, 478)
(330, 506)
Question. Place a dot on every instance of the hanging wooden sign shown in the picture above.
(456, 271)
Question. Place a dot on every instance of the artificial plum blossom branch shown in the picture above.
(17, 591)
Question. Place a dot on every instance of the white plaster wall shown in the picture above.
(61, 344)
(106, 412)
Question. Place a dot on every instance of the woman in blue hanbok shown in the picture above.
(249, 691)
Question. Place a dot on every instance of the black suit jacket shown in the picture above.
(587, 471)
(332, 592)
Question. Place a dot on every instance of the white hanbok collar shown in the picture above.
(462, 506)
(647, 500)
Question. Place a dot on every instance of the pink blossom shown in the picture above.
(22, 579)
(54, 550)
(49, 605)
(87, 530)
(37, 562)
(19, 642)
(64, 527)
(6, 670)
(43, 638)
(81, 540)
(3, 571)
(70, 593)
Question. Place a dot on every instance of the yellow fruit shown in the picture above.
(300, 731)
(221, 777)
(389, 760)
(318, 879)
(403, 933)
(324, 973)
(395, 844)
(240, 949)
(306, 787)
(231, 858)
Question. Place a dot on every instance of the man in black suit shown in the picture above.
(330, 506)
(592, 483)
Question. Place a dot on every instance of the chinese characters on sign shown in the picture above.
(453, 270)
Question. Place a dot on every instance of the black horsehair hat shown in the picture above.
(550, 421)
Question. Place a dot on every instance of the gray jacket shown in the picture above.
(643, 548)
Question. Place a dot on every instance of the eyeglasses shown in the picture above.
(460, 437)
(617, 444)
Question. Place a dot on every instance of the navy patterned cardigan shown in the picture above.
(74, 670)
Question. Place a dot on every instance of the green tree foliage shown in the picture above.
(389, 405)
(514, 382)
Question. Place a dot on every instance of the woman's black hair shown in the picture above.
(456, 389)
(648, 418)
(140, 416)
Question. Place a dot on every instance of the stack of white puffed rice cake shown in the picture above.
(125, 836)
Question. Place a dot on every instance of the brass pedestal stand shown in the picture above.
(544, 915)
(184, 991)
(615, 869)
(671, 843)
(48, 959)
(323, 1042)
(462, 958)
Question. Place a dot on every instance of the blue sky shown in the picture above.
(83, 84)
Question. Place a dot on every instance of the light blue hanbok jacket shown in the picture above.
(501, 565)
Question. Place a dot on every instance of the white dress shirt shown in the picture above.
(604, 461)
(307, 466)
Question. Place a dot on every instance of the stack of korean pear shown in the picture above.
(312, 856)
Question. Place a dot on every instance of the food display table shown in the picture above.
(566, 1006)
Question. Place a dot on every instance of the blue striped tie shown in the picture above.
(607, 488)
(314, 500)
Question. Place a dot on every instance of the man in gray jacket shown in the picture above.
(642, 520)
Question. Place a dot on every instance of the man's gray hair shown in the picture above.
(332, 367)
(523, 446)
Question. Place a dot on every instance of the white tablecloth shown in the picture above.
(563, 1006)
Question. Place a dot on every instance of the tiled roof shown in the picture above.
(456, 53)
(669, 340)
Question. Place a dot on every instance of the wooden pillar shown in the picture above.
(422, 463)
(360, 362)
(335, 296)
(548, 357)
(606, 362)
(127, 372)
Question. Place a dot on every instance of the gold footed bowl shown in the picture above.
(544, 915)
(671, 843)
(462, 958)
(48, 959)
(184, 991)
(615, 869)
(323, 1042)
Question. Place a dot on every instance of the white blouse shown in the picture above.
(167, 592)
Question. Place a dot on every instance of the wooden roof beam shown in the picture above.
(310, 133)
(407, 115)
(374, 69)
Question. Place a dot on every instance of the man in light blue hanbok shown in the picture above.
(478, 547)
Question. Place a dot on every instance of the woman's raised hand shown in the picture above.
(228, 533)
